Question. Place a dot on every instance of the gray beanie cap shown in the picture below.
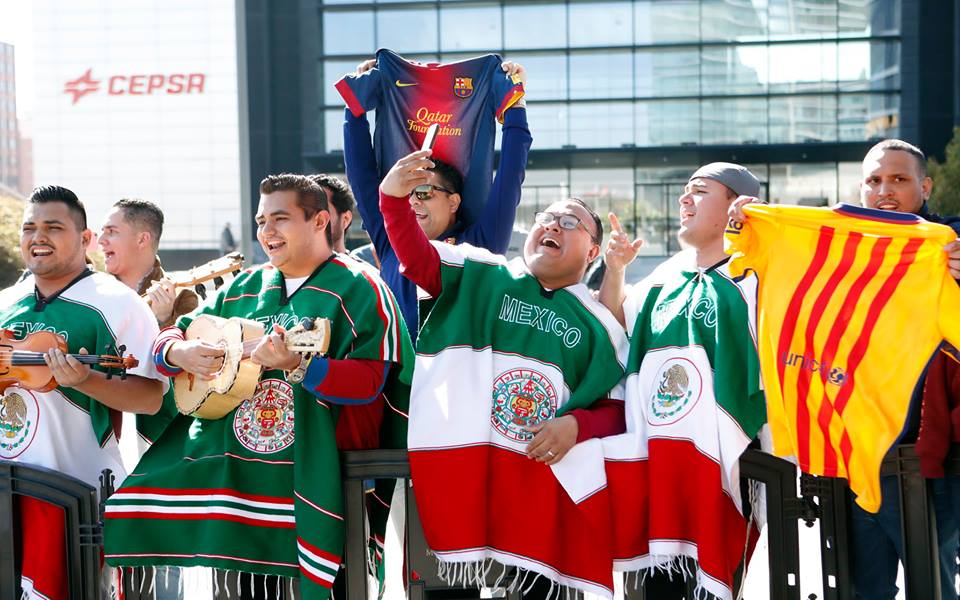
(736, 177)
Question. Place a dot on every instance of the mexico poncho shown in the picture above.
(496, 353)
(852, 304)
(694, 402)
(259, 490)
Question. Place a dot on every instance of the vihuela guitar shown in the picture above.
(215, 270)
(237, 379)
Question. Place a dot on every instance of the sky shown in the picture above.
(16, 27)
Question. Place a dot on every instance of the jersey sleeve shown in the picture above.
(361, 92)
(376, 322)
(507, 90)
(741, 241)
(949, 309)
(136, 333)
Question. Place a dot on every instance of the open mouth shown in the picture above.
(686, 215)
(420, 216)
(887, 205)
(108, 255)
(548, 242)
(273, 246)
(40, 251)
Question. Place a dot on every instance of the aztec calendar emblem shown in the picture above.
(19, 414)
(679, 385)
(264, 423)
(521, 398)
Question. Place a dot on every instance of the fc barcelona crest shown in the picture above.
(463, 87)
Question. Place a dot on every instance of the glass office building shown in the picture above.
(626, 98)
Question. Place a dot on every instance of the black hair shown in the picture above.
(56, 193)
(451, 177)
(598, 238)
(310, 196)
(902, 146)
(340, 194)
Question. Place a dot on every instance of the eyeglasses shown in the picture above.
(425, 192)
(566, 221)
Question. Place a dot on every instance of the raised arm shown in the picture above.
(419, 260)
(493, 228)
(362, 173)
(620, 253)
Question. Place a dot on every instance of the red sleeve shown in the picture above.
(603, 418)
(419, 260)
(347, 381)
(933, 442)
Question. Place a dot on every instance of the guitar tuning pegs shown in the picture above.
(120, 350)
(307, 323)
(235, 273)
(201, 290)
(217, 282)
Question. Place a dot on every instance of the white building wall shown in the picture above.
(141, 132)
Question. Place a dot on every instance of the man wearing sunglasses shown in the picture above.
(517, 364)
(436, 204)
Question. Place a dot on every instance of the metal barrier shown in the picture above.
(820, 500)
(82, 516)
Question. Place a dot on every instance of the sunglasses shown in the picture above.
(425, 192)
(565, 221)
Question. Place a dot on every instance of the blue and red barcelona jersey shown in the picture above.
(463, 97)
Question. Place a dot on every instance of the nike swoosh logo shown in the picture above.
(399, 84)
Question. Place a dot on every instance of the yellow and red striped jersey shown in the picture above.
(852, 303)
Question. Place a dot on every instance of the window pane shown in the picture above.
(359, 40)
(811, 19)
(541, 188)
(877, 17)
(734, 70)
(333, 70)
(470, 28)
(601, 24)
(868, 117)
(547, 75)
(731, 20)
(848, 177)
(535, 26)
(800, 119)
(658, 21)
(803, 67)
(549, 123)
(601, 125)
(869, 65)
(667, 123)
(813, 184)
(735, 121)
(606, 190)
(333, 129)
(667, 73)
(601, 75)
(407, 30)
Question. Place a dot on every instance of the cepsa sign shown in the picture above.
(136, 84)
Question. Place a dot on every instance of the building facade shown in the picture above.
(626, 98)
(141, 100)
(9, 137)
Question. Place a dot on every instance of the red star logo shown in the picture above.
(81, 86)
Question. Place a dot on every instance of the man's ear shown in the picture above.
(85, 236)
(347, 219)
(926, 187)
(321, 219)
(144, 239)
(454, 202)
(593, 253)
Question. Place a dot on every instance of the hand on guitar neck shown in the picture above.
(272, 353)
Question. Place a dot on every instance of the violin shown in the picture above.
(22, 364)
